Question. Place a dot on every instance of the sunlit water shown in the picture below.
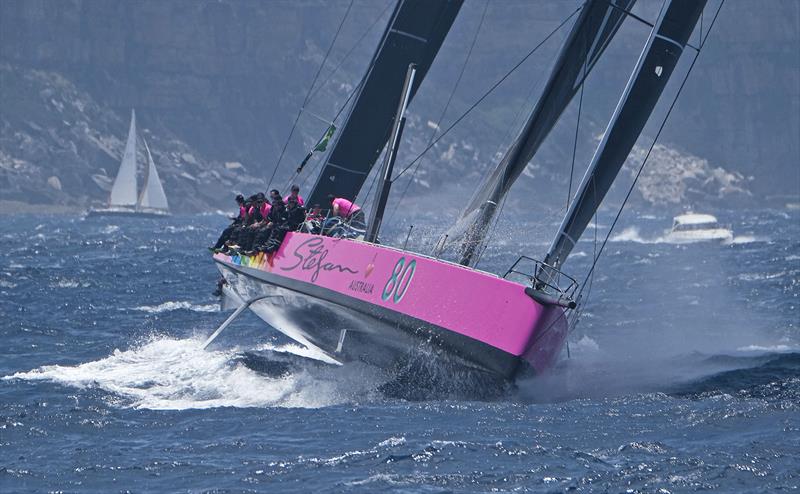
(684, 374)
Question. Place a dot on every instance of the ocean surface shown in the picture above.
(682, 375)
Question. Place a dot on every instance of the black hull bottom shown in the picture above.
(346, 329)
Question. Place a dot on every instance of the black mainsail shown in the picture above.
(597, 24)
(414, 35)
(656, 63)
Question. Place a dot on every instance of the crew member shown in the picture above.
(270, 237)
(254, 222)
(236, 223)
(296, 214)
(296, 194)
(348, 211)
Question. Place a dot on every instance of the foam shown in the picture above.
(746, 239)
(176, 374)
(183, 305)
(769, 348)
(631, 234)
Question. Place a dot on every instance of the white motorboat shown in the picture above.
(693, 227)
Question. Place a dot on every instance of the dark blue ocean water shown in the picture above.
(684, 375)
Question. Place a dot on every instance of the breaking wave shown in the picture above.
(631, 234)
(746, 239)
(181, 229)
(177, 374)
(170, 306)
(69, 283)
(766, 376)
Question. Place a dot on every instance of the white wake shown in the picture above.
(182, 305)
(173, 374)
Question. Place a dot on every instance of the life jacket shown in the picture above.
(300, 200)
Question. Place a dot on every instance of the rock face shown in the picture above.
(59, 146)
(217, 85)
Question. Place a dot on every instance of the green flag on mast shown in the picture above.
(321, 146)
(323, 143)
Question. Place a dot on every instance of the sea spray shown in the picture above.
(176, 374)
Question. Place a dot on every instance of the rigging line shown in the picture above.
(578, 119)
(484, 244)
(317, 166)
(629, 13)
(496, 221)
(594, 250)
(347, 55)
(308, 94)
(575, 146)
(583, 300)
(505, 143)
(375, 176)
(508, 137)
(487, 93)
(444, 111)
(713, 20)
(647, 156)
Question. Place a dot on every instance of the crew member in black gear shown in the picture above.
(279, 220)
(237, 221)
(274, 221)
(254, 223)
(296, 214)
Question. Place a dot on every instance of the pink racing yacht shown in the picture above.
(357, 299)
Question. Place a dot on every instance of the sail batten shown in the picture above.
(414, 34)
(653, 69)
(123, 192)
(596, 25)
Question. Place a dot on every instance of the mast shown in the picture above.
(123, 192)
(655, 66)
(376, 218)
(597, 24)
(414, 35)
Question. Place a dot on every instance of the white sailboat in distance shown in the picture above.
(125, 199)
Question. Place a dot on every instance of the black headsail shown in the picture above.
(664, 46)
(414, 35)
(599, 20)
